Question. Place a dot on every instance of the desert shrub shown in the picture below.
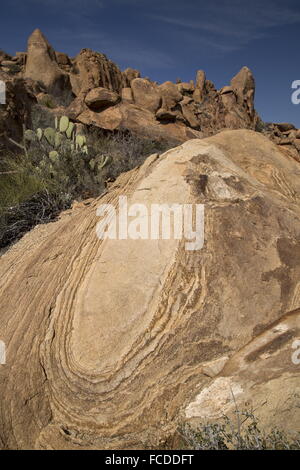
(14, 69)
(28, 196)
(244, 433)
(35, 188)
(126, 150)
(263, 127)
(48, 102)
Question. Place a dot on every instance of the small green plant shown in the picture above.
(61, 137)
(48, 102)
(43, 179)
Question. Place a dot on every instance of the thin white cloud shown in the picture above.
(126, 53)
(230, 25)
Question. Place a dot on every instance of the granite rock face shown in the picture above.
(92, 70)
(110, 344)
(41, 66)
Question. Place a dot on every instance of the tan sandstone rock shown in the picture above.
(127, 95)
(41, 66)
(111, 344)
(200, 86)
(127, 116)
(145, 94)
(92, 70)
(100, 98)
(170, 94)
(128, 75)
(243, 82)
(62, 58)
(285, 126)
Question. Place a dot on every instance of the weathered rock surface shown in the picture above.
(62, 58)
(182, 108)
(128, 75)
(146, 94)
(285, 126)
(111, 343)
(138, 120)
(101, 98)
(41, 66)
(170, 95)
(20, 98)
(127, 95)
(92, 70)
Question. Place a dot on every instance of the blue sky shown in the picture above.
(169, 39)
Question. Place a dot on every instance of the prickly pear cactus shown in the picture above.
(58, 140)
(29, 135)
(69, 130)
(103, 160)
(80, 141)
(39, 134)
(49, 134)
(61, 137)
(63, 123)
(98, 163)
(53, 155)
(92, 164)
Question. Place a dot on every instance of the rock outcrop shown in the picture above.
(110, 344)
(92, 70)
(184, 110)
(41, 66)
(127, 116)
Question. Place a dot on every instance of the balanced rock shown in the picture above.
(101, 98)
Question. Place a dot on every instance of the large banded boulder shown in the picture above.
(111, 344)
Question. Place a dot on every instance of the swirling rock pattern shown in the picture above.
(111, 343)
